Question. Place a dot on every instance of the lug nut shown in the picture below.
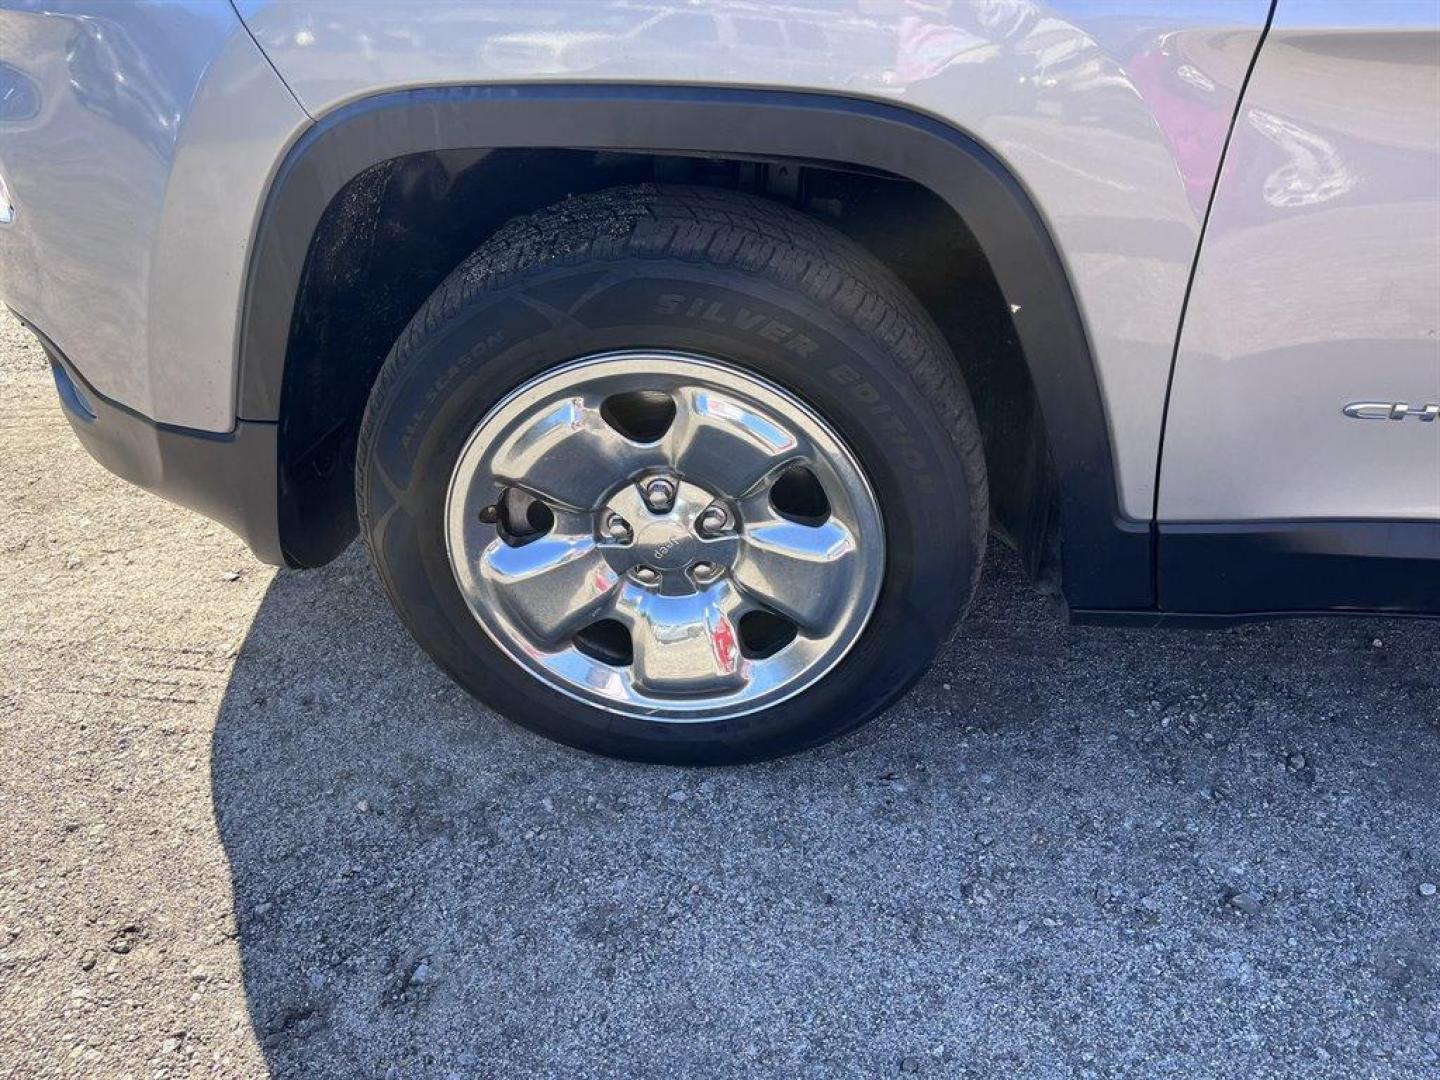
(715, 519)
(617, 528)
(646, 575)
(659, 494)
(704, 570)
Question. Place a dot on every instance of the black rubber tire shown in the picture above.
(660, 267)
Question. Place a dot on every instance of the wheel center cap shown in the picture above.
(666, 544)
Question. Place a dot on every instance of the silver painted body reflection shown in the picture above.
(1319, 282)
(137, 141)
(1112, 114)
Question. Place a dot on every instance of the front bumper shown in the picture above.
(229, 477)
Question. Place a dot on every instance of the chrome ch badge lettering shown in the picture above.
(1392, 410)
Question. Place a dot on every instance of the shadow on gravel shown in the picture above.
(1069, 852)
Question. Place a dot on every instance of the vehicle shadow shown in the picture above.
(1067, 851)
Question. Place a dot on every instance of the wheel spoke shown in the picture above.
(729, 443)
(797, 570)
(570, 455)
(553, 586)
(684, 644)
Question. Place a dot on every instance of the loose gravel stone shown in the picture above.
(1244, 902)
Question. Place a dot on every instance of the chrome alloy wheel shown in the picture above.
(664, 536)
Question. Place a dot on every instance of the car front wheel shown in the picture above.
(674, 474)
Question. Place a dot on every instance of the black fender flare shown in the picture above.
(1107, 558)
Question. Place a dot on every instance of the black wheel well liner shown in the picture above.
(1107, 558)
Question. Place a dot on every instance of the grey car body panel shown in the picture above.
(1318, 282)
(142, 144)
(1111, 115)
(137, 176)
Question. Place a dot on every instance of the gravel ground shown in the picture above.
(245, 826)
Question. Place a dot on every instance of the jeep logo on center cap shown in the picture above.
(668, 542)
